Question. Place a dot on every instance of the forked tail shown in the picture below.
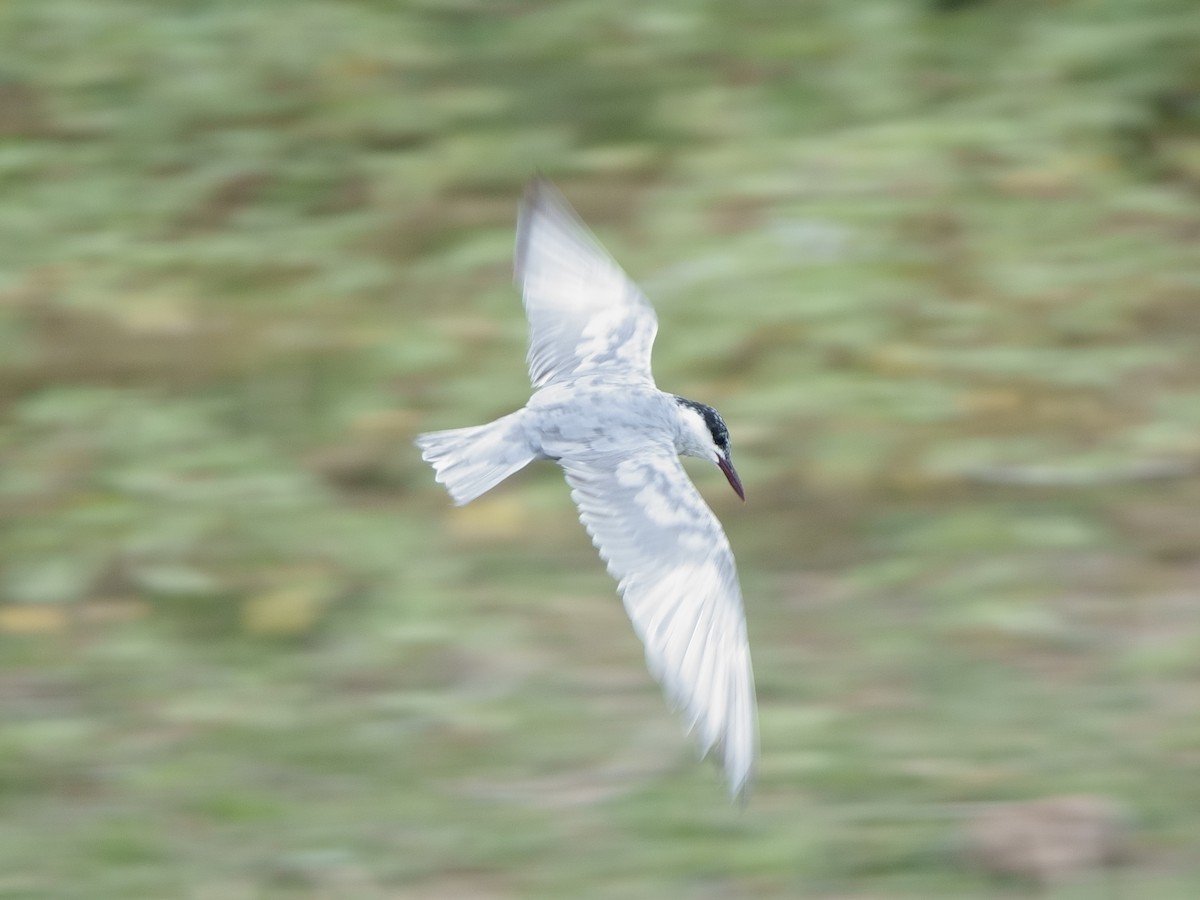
(471, 461)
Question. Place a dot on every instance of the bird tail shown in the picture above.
(471, 461)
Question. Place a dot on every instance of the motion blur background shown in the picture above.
(937, 263)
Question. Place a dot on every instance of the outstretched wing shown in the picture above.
(677, 577)
(585, 315)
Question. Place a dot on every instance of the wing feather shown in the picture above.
(678, 579)
(584, 312)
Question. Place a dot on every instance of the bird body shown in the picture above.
(596, 412)
(594, 415)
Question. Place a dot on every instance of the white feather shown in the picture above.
(597, 412)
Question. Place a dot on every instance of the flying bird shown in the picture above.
(597, 412)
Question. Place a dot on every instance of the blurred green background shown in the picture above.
(937, 263)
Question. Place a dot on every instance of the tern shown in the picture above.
(597, 412)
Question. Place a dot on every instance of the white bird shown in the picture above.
(596, 412)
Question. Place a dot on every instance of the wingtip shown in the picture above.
(740, 790)
(530, 200)
(738, 771)
(540, 197)
(739, 778)
(539, 191)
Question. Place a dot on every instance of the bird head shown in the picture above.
(703, 434)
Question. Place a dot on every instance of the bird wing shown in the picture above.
(584, 312)
(678, 579)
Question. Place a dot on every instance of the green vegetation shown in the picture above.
(938, 265)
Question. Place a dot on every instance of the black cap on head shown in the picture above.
(712, 418)
(720, 435)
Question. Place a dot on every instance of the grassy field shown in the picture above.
(937, 263)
